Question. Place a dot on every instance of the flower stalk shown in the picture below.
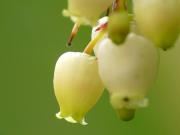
(93, 42)
(73, 33)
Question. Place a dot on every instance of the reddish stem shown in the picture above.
(73, 33)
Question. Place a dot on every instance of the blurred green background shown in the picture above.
(33, 34)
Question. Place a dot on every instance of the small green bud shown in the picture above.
(77, 85)
(118, 26)
(103, 20)
(158, 20)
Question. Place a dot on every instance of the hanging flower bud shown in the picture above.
(77, 85)
(118, 26)
(86, 12)
(128, 72)
(158, 20)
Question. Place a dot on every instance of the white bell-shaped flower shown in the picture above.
(77, 85)
(128, 72)
(86, 12)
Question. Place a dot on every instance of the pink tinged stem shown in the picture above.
(73, 33)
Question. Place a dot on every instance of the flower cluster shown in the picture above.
(125, 59)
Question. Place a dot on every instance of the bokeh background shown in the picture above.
(33, 35)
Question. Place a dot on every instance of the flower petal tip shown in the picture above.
(83, 122)
(144, 102)
(58, 115)
(70, 119)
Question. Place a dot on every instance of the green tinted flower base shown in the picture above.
(71, 119)
(126, 104)
(119, 101)
(126, 114)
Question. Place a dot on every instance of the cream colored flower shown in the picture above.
(128, 71)
(158, 20)
(86, 12)
(77, 85)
